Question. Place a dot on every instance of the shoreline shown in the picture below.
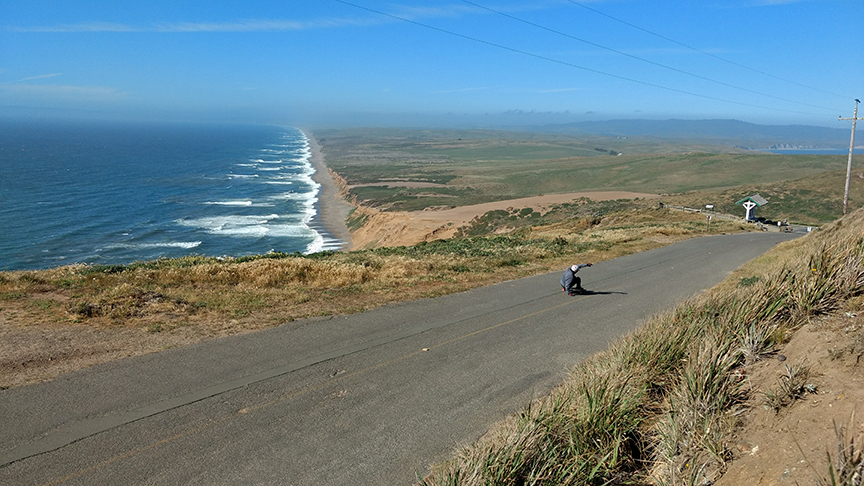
(331, 209)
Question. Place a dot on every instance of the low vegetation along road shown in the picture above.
(371, 398)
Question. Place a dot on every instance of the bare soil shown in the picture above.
(789, 447)
(409, 228)
(39, 351)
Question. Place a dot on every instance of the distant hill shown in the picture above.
(715, 132)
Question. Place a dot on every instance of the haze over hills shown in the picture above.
(730, 133)
(734, 133)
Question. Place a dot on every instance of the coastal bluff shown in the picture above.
(399, 228)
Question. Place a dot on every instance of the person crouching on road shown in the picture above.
(570, 282)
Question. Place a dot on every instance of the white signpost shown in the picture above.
(751, 202)
(749, 205)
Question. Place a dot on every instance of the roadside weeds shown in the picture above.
(661, 405)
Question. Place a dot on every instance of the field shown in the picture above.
(815, 199)
(473, 167)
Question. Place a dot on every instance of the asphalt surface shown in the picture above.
(366, 399)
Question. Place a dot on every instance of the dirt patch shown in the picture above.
(788, 447)
(41, 351)
(409, 228)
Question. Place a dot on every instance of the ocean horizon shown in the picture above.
(114, 193)
(810, 151)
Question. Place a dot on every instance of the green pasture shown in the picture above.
(814, 199)
(475, 166)
(651, 173)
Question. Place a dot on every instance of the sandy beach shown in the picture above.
(332, 209)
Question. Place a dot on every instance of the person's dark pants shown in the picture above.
(576, 285)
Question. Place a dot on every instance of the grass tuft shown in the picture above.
(847, 467)
(790, 387)
(659, 406)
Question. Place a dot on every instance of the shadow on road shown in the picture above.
(595, 292)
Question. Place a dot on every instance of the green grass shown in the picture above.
(814, 199)
(790, 387)
(846, 467)
(355, 221)
(484, 166)
(413, 199)
(14, 295)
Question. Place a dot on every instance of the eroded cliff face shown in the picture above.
(398, 228)
(340, 183)
(379, 228)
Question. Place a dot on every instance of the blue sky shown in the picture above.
(328, 62)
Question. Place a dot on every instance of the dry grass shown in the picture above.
(222, 288)
(847, 466)
(659, 406)
(790, 387)
(178, 301)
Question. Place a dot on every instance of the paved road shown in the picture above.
(367, 399)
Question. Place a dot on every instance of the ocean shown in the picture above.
(814, 151)
(108, 193)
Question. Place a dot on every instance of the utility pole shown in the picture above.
(851, 148)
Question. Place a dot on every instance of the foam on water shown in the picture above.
(284, 183)
(303, 198)
(289, 177)
(247, 204)
(316, 244)
(218, 223)
(254, 226)
(290, 196)
(175, 190)
(165, 244)
(230, 203)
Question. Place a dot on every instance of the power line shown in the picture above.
(565, 63)
(640, 58)
(705, 52)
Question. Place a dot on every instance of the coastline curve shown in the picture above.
(332, 210)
